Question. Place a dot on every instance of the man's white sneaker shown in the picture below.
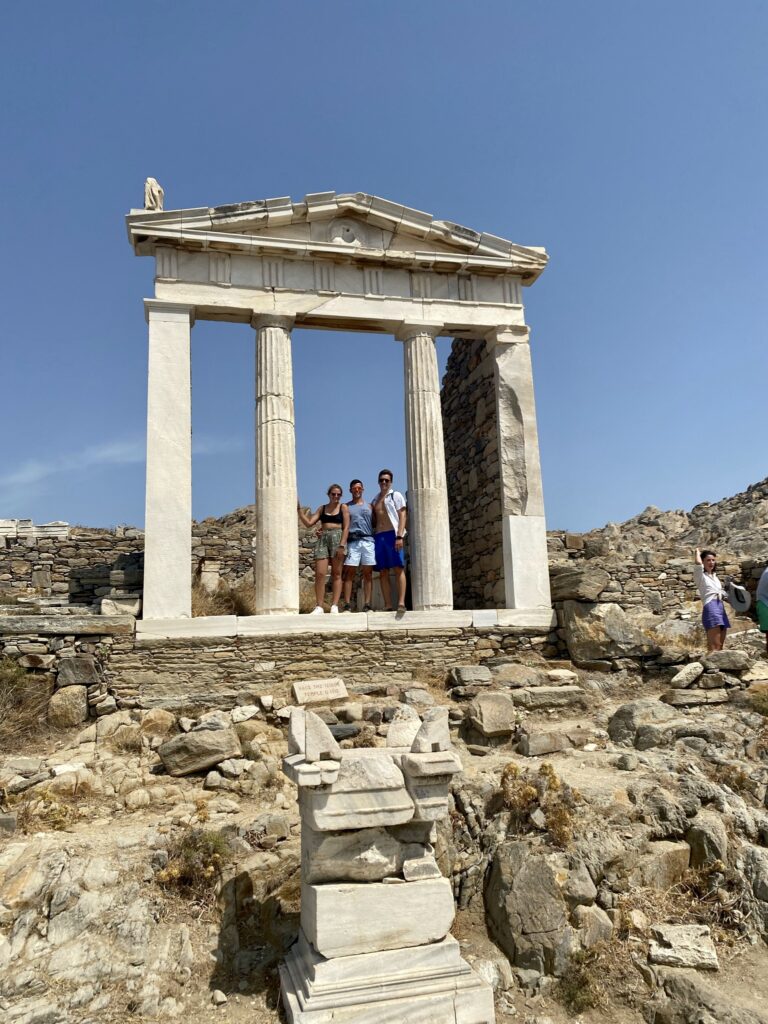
(318, 610)
(334, 609)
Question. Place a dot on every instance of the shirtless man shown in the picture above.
(389, 517)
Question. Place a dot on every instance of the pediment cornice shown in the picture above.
(354, 227)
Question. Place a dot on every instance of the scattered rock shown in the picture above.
(728, 661)
(578, 584)
(598, 631)
(687, 676)
(68, 707)
(493, 714)
(542, 697)
(683, 945)
(708, 839)
(202, 748)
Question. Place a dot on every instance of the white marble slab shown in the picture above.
(419, 620)
(207, 625)
(535, 620)
(484, 617)
(542, 619)
(263, 625)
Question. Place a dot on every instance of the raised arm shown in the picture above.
(697, 556)
(344, 526)
(311, 519)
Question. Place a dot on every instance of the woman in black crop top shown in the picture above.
(331, 545)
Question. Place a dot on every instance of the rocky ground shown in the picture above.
(737, 525)
(608, 846)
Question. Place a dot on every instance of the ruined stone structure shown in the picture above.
(343, 262)
(376, 912)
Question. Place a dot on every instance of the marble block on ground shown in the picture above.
(428, 984)
(344, 918)
(370, 791)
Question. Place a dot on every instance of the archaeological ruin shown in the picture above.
(343, 262)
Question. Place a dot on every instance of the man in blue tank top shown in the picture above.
(360, 546)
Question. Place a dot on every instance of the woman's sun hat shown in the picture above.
(738, 598)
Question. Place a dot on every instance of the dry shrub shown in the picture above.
(757, 699)
(365, 738)
(23, 705)
(196, 858)
(520, 795)
(523, 793)
(733, 776)
(44, 810)
(713, 895)
(127, 739)
(582, 985)
(227, 600)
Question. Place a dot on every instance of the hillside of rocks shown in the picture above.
(736, 526)
(607, 845)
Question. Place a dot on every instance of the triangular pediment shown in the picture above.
(352, 226)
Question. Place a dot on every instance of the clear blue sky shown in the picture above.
(628, 138)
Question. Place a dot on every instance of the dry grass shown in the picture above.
(196, 858)
(23, 705)
(714, 896)
(227, 600)
(582, 985)
(44, 810)
(733, 776)
(757, 699)
(365, 738)
(523, 793)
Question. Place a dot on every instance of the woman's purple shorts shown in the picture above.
(714, 615)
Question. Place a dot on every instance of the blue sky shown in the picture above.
(628, 138)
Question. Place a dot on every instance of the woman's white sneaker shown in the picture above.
(318, 610)
(334, 609)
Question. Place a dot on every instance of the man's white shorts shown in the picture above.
(361, 552)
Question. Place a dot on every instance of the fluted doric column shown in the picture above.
(523, 527)
(276, 545)
(428, 524)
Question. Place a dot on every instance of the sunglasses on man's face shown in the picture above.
(384, 479)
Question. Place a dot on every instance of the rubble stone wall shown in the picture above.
(84, 564)
(472, 470)
(225, 671)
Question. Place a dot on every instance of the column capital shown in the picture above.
(159, 309)
(509, 334)
(408, 330)
(259, 320)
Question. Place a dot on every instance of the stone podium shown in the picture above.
(374, 945)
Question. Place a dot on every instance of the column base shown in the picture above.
(420, 985)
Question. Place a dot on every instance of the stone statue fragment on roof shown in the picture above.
(153, 194)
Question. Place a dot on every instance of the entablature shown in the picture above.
(352, 229)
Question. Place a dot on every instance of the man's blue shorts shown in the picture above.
(387, 555)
